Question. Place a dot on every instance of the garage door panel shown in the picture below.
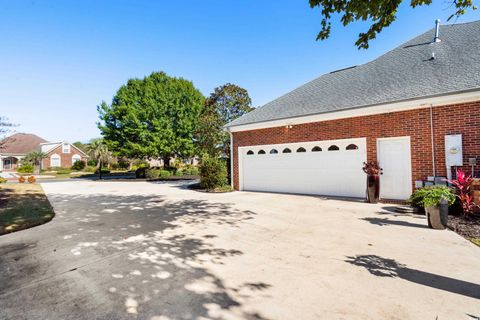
(335, 173)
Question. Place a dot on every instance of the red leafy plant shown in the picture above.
(372, 168)
(463, 184)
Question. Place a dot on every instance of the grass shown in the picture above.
(23, 206)
(475, 241)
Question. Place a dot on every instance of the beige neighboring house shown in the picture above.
(58, 154)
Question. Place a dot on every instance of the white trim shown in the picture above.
(57, 157)
(365, 111)
(409, 158)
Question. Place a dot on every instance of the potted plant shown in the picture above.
(373, 171)
(436, 201)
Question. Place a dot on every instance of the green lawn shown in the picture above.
(23, 206)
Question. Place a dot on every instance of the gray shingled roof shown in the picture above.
(406, 72)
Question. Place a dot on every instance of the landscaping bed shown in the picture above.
(469, 228)
(197, 187)
(23, 206)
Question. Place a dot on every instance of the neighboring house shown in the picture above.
(159, 162)
(59, 154)
(415, 109)
(14, 148)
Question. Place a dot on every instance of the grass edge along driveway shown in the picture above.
(23, 206)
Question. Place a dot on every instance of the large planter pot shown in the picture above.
(437, 216)
(373, 188)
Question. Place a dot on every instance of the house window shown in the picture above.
(55, 161)
(316, 149)
(352, 147)
(333, 148)
(250, 152)
(261, 152)
(286, 150)
(301, 149)
(66, 148)
(76, 158)
(273, 151)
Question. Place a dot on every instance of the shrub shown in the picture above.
(90, 169)
(123, 165)
(92, 163)
(25, 168)
(213, 173)
(140, 173)
(433, 195)
(3, 180)
(79, 165)
(194, 171)
(417, 198)
(21, 179)
(157, 173)
(31, 179)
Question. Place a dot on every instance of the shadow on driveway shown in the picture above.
(383, 267)
(120, 257)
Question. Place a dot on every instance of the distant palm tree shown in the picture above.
(99, 151)
(35, 158)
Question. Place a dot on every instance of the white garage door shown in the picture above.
(332, 167)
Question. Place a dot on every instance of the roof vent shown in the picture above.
(437, 31)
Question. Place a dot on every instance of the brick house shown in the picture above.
(415, 109)
(58, 154)
(61, 154)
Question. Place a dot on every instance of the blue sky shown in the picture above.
(60, 59)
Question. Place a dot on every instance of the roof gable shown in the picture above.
(406, 72)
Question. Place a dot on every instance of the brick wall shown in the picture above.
(65, 158)
(452, 119)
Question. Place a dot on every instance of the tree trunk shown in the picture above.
(36, 168)
(166, 162)
(100, 170)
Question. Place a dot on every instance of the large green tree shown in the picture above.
(381, 13)
(153, 117)
(225, 104)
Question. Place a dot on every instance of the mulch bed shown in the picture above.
(467, 227)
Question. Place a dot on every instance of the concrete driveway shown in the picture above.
(138, 250)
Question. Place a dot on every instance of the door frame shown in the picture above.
(409, 158)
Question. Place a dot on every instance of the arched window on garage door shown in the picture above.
(287, 150)
(261, 152)
(316, 149)
(301, 149)
(273, 151)
(249, 152)
(333, 148)
(352, 147)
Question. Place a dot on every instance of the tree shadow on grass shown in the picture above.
(142, 257)
(383, 267)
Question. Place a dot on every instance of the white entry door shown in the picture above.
(330, 167)
(394, 157)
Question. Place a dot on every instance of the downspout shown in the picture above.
(231, 157)
(432, 140)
